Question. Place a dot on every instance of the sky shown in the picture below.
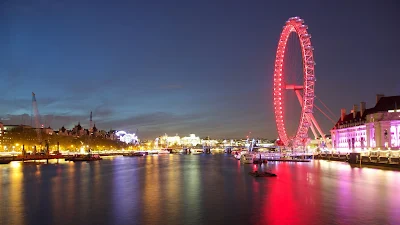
(181, 67)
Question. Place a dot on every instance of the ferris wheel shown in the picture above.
(304, 91)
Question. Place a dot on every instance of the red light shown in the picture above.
(297, 27)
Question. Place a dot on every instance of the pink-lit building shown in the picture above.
(376, 128)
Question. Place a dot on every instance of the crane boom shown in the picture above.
(91, 123)
(37, 118)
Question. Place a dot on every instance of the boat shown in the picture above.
(262, 174)
(152, 152)
(259, 158)
(236, 154)
(86, 158)
(178, 151)
(217, 150)
(197, 151)
(68, 157)
(133, 154)
(164, 151)
(34, 162)
(247, 158)
(5, 160)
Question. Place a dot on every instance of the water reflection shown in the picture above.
(151, 190)
(196, 189)
(174, 187)
(11, 194)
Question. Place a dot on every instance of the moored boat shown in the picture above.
(152, 152)
(179, 151)
(5, 160)
(262, 174)
(164, 151)
(134, 154)
(247, 158)
(86, 158)
(197, 151)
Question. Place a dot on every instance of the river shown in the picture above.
(196, 189)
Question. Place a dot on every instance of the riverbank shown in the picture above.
(364, 163)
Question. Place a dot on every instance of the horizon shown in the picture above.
(86, 127)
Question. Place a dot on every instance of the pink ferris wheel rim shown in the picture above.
(294, 24)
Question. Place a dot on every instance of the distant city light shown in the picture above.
(127, 138)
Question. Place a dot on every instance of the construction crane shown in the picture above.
(91, 121)
(89, 137)
(37, 121)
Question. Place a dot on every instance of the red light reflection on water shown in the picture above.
(302, 194)
(284, 203)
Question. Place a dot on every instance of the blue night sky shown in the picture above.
(188, 66)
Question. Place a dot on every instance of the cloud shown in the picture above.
(54, 121)
(101, 112)
(23, 105)
(157, 119)
(154, 123)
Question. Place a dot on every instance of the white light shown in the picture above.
(127, 138)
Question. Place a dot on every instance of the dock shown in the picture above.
(289, 160)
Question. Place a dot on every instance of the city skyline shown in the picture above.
(186, 67)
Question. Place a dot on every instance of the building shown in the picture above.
(191, 140)
(12, 135)
(376, 128)
(78, 130)
(48, 130)
(1, 135)
(209, 142)
(168, 141)
(63, 132)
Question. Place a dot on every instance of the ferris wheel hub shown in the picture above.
(294, 87)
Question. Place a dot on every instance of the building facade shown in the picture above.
(191, 140)
(376, 128)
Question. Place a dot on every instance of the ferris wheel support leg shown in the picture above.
(297, 91)
(313, 128)
(317, 126)
(310, 117)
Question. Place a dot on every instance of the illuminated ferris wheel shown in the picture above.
(304, 90)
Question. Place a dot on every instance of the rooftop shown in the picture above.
(383, 105)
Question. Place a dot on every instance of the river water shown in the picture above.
(196, 189)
